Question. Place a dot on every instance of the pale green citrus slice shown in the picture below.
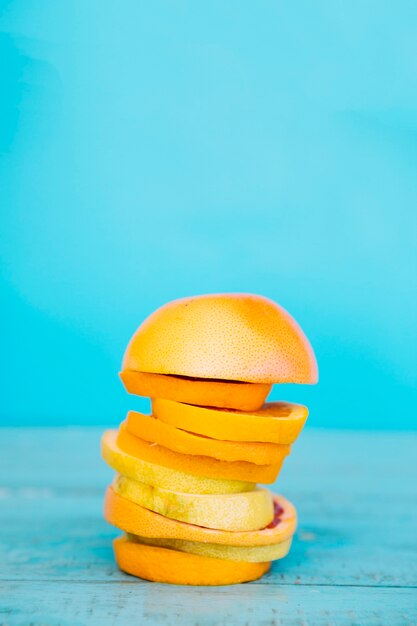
(161, 476)
(248, 510)
(248, 554)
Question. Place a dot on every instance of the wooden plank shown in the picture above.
(65, 537)
(357, 511)
(50, 458)
(136, 602)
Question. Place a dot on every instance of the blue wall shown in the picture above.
(151, 150)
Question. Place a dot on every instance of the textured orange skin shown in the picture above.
(162, 565)
(134, 519)
(195, 464)
(242, 396)
(275, 422)
(152, 429)
(225, 336)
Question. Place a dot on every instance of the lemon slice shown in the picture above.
(248, 554)
(249, 510)
(161, 476)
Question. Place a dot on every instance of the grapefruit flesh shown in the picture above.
(152, 429)
(274, 422)
(227, 394)
(135, 519)
(162, 476)
(195, 464)
(249, 510)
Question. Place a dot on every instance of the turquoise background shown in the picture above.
(151, 150)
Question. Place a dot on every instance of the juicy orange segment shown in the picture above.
(152, 429)
(164, 565)
(135, 519)
(195, 464)
(234, 395)
(277, 422)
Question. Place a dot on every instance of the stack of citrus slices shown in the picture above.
(185, 493)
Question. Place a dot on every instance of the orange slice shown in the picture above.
(134, 519)
(249, 510)
(162, 565)
(162, 477)
(223, 394)
(277, 422)
(194, 464)
(248, 554)
(152, 429)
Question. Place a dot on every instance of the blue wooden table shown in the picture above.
(353, 561)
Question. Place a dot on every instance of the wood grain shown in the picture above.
(354, 560)
(134, 602)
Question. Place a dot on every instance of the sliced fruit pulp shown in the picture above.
(248, 554)
(195, 464)
(152, 429)
(135, 519)
(245, 511)
(161, 476)
(274, 422)
(236, 395)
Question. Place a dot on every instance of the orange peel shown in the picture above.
(274, 422)
(195, 464)
(223, 394)
(134, 519)
(163, 565)
(227, 336)
(151, 429)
